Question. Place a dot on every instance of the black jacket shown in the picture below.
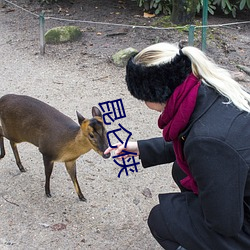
(216, 145)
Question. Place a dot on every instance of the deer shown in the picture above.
(58, 138)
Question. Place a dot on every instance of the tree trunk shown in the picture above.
(183, 11)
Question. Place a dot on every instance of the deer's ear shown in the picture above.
(80, 118)
(96, 111)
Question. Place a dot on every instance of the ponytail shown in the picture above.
(218, 78)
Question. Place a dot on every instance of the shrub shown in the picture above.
(157, 6)
(165, 6)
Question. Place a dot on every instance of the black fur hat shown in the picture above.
(156, 83)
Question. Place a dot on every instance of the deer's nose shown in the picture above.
(106, 156)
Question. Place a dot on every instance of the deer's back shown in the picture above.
(24, 118)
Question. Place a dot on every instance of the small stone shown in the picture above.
(121, 58)
(244, 68)
(136, 201)
(239, 76)
(147, 193)
(63, 34)
(44, 225)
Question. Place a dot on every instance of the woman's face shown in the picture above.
(156, 106)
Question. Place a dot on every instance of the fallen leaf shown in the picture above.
(147, 15)
(58, 227)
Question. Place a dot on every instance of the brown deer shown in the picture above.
(59, 138)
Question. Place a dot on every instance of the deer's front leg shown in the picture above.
(71, 168)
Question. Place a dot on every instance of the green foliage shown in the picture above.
(244, 4)
(157, 6)
(211, 7)
(226, 6)
(165, 6)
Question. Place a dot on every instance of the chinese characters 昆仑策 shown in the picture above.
(114, 110)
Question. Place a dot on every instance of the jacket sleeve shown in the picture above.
(220, 173)
(155, 151)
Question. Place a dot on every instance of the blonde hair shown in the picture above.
(202, 67)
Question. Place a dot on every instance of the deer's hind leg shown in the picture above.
(48, 164)
(1, 144)
(18, 161)
(71, 168)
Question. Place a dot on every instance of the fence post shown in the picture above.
(204, 24)
(42, 31)
(2, 3)
(191, 35)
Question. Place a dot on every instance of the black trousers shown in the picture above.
(156, 222)
(179, 221)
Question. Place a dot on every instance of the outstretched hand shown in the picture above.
(131, 147)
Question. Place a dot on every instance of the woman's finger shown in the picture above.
(109, 149)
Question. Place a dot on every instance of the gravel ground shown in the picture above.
(77, 76)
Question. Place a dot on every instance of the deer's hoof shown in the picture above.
(82, 198)
(48, 195)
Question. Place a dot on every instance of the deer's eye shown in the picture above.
(91, 136)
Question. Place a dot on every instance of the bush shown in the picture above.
(156, 6)
(165, 6)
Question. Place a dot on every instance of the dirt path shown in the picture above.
(75, 77)
(115, 214)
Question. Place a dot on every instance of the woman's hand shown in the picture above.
(131, 147)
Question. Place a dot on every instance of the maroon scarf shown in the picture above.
(174, 119)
